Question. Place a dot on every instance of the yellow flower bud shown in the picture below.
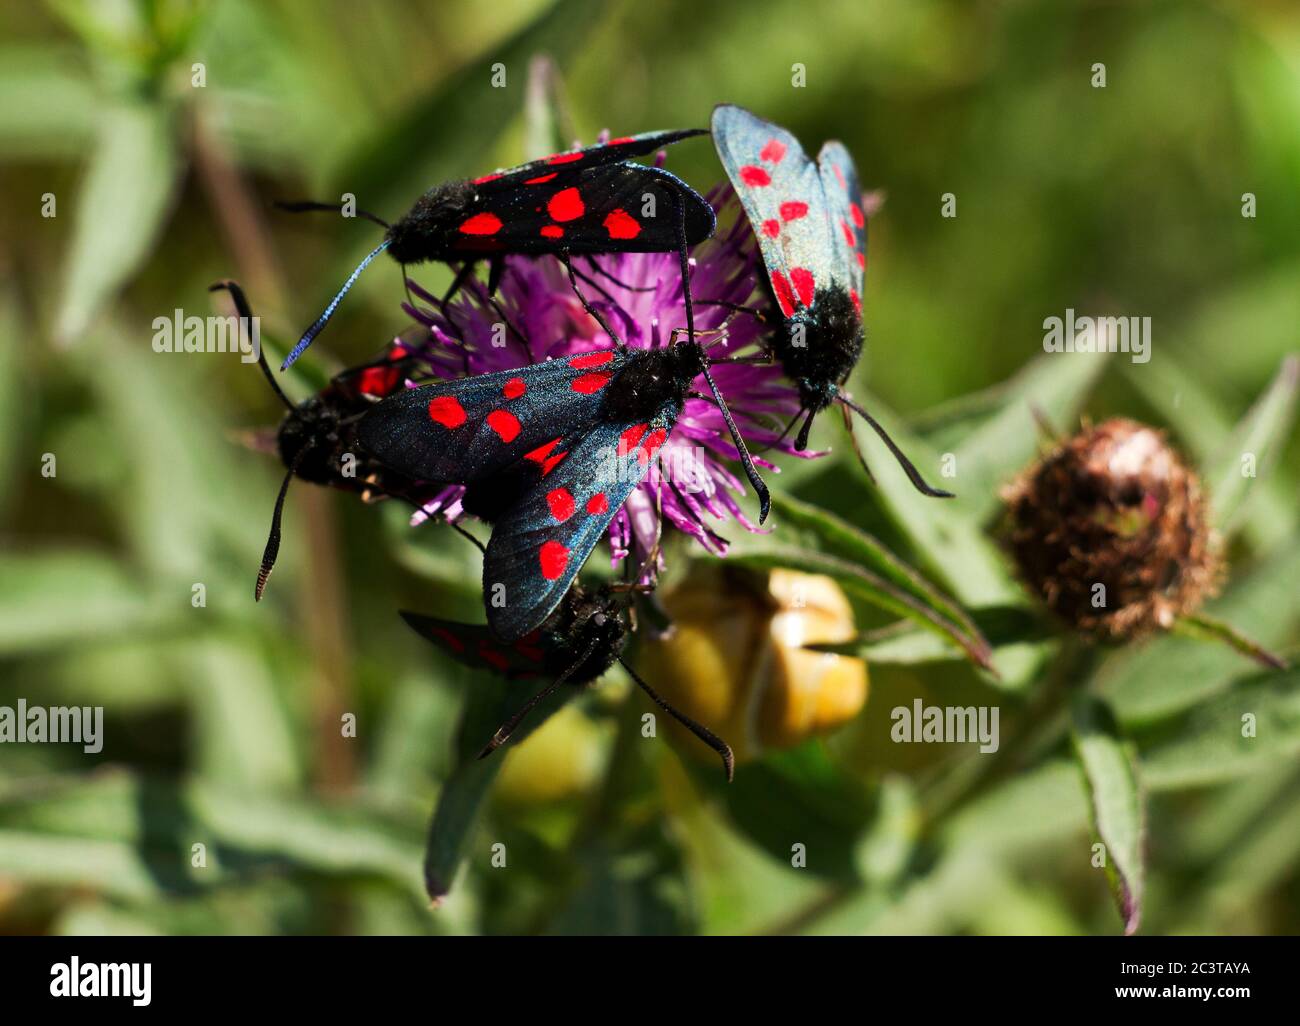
(563, 757)
(736, 661)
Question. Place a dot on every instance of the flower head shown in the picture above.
(1112, 531)
(536, 316)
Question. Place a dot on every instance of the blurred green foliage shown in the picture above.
(162, 130)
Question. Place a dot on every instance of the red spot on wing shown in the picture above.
(598, 504)
(628, 440)
(862, 259)
(653, 441)
(621, 225)
(552, 231)
(491, 656)
(542, 456)
(514, 388)
(588, 384)
(447, 638)
(793, 210)
(541, 178)
(772, 228)
(566, 205)
(620, 140)
(849, 237)
(447, 411)
(505, 424)
(482, 224)
(378, 380)
(588, 360)
(804, 285)
(553, 558)
(561, 502)
(772, 151)
(784, 294)
(857, 301)
(855, 212)
(839, 175)
(486, 178)
(565, 158)
(753, 175)
(530, 652)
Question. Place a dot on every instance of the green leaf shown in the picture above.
(490, 703)
(904, 644)
(1116, 803)
(799, 796)
(1201, 421)
(815, 541)
(243, 737)
(50, 598)
(942, 531)
(118, 211)
(47, 103)
(1207, 628)
(1261, 434)
(441, 136)
(1167, 675)
(1058, 384)
(1250, 728)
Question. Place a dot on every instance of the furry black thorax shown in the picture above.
(586, 620)
(651, 378)
(425, 232)
(819, 346)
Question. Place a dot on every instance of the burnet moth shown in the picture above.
(317, 439)
(586, 201)
(577, 643)
(812, 233)
(548, 452)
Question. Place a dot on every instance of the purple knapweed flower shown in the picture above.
(640, 296)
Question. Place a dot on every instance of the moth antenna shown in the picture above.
(506, 729)
(764, 499)
(301, 206)
(685, 262)
(310, 334)
(272, 550)
(698, 729)
(246, 315)
(801, 440)
(913, 475)
(857, 449)
(597, 269)
(465, 534)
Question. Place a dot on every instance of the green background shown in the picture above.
(222, 722)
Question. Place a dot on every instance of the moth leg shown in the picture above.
(563, 256)
(597, 269)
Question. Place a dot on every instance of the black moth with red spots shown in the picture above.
(317, 439)
(581, 639)
(812, 233)
(593, 200)
(549, 453)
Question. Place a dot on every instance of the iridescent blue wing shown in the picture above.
(606, 208)
(782, 194)
(592, 200)
(473, 428)
(539, 544)
(474, 645)
(615, 151)
(843, 194)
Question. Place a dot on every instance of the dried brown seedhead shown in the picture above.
(1111, 530)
